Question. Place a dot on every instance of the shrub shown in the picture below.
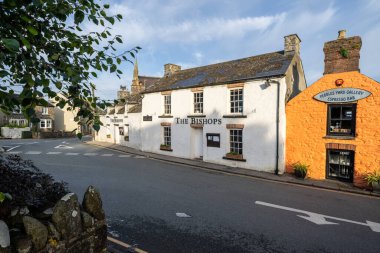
(300, 170)
(373, 177)
(27, 185)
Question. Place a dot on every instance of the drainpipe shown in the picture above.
(277, 121)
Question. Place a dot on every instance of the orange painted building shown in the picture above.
(334, 125)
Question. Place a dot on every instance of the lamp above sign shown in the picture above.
(342, 95)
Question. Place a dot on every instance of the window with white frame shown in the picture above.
(17, 110)
(236, 141)
(167, 136)
(18, 122)
(167, 104)
(198, 102)
(45, 110)
(45, 123)
(236, 100)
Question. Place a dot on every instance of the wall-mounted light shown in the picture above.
(339, 82)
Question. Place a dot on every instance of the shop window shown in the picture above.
(213, 140)
(167, 136)
(167, 104)
(340, 164)
(236, 101)
(45, 123)
(236, 141)
(126, 133)
(341, 120)
(198, 102)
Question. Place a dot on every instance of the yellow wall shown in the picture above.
(307, 123)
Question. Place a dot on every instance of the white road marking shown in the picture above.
(72, 153)
(182, 215)
(53, 153)
(90, 154)
(107, 155)
(124, 155)
(63, 147)
(125, 245)
(139, 157)
(320, 219)
(14, 152)
(12, 148)
(33, 153)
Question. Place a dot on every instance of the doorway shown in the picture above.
(197, 142)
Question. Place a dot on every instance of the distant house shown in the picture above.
(17, 118)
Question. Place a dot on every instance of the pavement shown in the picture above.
(284, 178)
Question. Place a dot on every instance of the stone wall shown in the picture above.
(67, 228)
(14, 133)
(59, 134)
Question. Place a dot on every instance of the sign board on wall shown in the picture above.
(147, 118)
(342, 95)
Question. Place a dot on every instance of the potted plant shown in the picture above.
(300, 170)
(373, 179)
(234, 155)
(165, 147)
(5, 205)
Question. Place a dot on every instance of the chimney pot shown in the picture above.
(342, 34)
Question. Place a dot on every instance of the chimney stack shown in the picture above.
(292, 44)
(342, 54)
(170, 69)
(123, 93)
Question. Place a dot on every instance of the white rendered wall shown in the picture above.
(259, 133)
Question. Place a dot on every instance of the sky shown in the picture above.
(201, 32)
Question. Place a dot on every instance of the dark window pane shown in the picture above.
(335, 112)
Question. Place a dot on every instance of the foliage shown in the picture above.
(5, 196)
(343, 52)
(300, 169)
(44, 51)
(13, 125)
(28, 185)
(373, 177)
(233, 153)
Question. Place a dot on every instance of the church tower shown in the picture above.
(136, 86)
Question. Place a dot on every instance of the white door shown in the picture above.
(197, 142)
(117, 134)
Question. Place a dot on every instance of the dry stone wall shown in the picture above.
(69, 227)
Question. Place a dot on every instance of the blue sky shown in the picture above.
(201, 32)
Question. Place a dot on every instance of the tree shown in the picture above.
(44, 50)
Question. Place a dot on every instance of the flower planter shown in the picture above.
(166, 148)
(376, 186)
(300, 174)
(234, 156)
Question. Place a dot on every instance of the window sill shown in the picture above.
(165, 148)
(234, 116)
(196, 116)
(339, 137)
(165, 116)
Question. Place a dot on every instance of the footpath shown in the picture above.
(284, 178)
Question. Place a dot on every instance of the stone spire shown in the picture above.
(136, 86)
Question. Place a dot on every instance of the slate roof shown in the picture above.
(134, 99)
(121, 110)
(135, 109)
(148, 81)
(260, 66)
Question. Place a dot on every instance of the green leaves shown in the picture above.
(11, 44)
(79, 135)
(78, 17)
(32, 30)
(26, 43)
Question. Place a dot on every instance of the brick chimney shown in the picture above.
(170, 69)
(342, 54)
(292, 44)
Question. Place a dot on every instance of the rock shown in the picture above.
(37, 231)
(24, 245)
(87, 220)
(5, 240)
(92, 203)
(53, 232)
(66, 216)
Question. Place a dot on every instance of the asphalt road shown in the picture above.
(164, 207)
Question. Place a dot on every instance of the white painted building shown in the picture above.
(230, 113)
